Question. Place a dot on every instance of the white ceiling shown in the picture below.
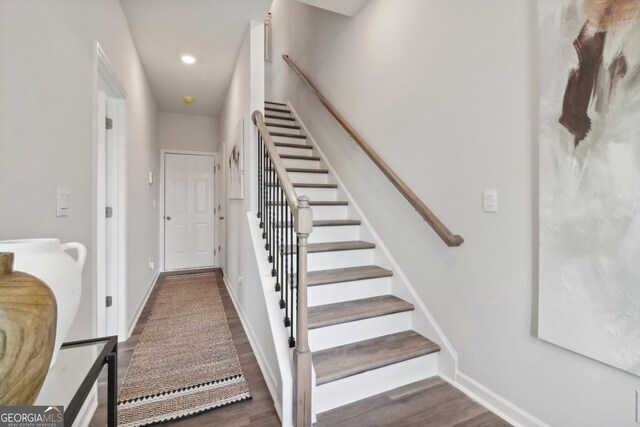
(210, 30)
(343, 7)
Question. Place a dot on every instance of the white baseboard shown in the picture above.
(83, 419)
(136, 317)
(267, 373)
(497, 404)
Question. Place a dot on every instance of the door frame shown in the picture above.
(105, 75)
(163, 153)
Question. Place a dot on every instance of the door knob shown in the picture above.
(168, 218)
(221, 217)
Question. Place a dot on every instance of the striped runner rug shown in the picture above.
(185, 362)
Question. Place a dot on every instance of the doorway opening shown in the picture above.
(110, 138)
(188, 226)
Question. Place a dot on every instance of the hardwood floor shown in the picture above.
(259, 411)
(430, 403)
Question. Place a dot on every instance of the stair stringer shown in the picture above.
(423, 321)
(280, 384)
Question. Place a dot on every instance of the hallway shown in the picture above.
(259, 411)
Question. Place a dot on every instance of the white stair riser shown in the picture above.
(346, 291)
(298, 163)
(279, 121)
(308, 178)
(336, 259)
(277, 113)
(339, 259)
(282, 129)
(318, 193)
(294, 151)
(347, 390)
(334, 234)
(329, 212)
(278, 138)
(360, 330)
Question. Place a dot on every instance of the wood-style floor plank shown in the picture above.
(431, 402)
(335, 363)
(259, 411)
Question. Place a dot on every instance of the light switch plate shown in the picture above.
(490, 200)
(63, 206)
(150, 178)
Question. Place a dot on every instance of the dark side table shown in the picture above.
(70, 380)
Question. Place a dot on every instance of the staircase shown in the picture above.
(361, 335)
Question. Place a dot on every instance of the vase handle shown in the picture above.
(82, 252)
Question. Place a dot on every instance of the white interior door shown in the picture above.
(189, 221)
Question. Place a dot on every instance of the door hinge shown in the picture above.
(108, 212)
(108, 123)
(214, 252)
(109, 301)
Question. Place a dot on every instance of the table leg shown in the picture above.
(112, 389)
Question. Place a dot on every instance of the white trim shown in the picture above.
(267, 373)
(444, 342)
(163, 152)
(497, 404)
(476, 391)
(103, 71)
(107, 71)
(136, 316)
(279, 334)
(83, 419)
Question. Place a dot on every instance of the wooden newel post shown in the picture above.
(302, 354)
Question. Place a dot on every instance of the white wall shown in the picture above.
(188, 132)
(446, 92)
(46, 132)
(240, 266)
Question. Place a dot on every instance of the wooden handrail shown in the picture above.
(438, 226)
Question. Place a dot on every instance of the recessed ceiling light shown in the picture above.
(188, 59)
(189, 99)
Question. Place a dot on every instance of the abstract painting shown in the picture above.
(235, 163)
(589, 169)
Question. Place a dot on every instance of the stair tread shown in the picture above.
(340, 362)
(326, 223)
(348, 311)
(308, 185)
(293, 156)
(287, 135)
(348, 274)
(278, 110)
(316, 203)
(348, 245)
(275, 103)
(287, 144)
(271, 116)
(307, 170)
(313, 185)
(302, 170)
(278, 125)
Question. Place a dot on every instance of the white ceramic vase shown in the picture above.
(48, 260)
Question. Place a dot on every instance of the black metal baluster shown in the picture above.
(285, 256)
(282, 270)
(264, 190)
(267, 205)
(270, 204)
(259, 176)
